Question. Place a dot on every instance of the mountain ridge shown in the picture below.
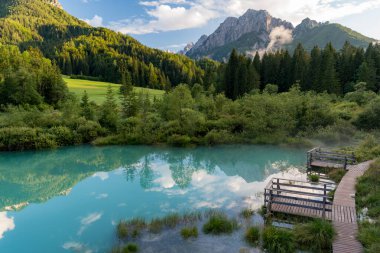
(253, 32)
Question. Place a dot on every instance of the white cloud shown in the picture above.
(88, 220)
(96, 21)
(170, 15)
(76, 247)
(102, 175)
(6, 223)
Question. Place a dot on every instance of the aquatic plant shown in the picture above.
(131, 248)
(278, 240)
(122, 230)
(313, 178)
(155, 226)
(192, 217)
(247, 213)
(188, 232)
(316, 235)
(171, 220)
(252, 235)
(219, 224)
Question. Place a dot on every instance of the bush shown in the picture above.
(89, 131)
(369, 118)
(252, 235)
(313, 178)
(219, 224)
(131, 248)
(336, 175)
(278, 240)
(317, 235)
(179, 140)
(188, 232)
(63, 135)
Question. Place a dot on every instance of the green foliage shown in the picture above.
(313, 178)
(317, 235)
(278, 240)
(336, 175)
(219, 224)
(368, 149)
(368, 196)
(252, 235)
(247, 213)
(122, 230)
(188, 232)
(28, 78)
(369, 119)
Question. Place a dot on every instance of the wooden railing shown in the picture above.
(317, 154)
(298, 194)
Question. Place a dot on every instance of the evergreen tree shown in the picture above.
(367, 74)
(329, 76)
(300, 66)
(87, 112)
(314, 76)
(109, 111)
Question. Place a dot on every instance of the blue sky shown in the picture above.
(170, 24)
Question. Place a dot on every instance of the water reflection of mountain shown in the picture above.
(30, 177)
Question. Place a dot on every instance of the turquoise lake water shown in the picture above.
(69, 200)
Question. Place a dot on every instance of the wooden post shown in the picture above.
(345, 163)
(270, 201)
(324, 202)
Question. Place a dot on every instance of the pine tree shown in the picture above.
(367, 74)
(300, 65)
(231, 75)
(86, 109)
(109, 111)
(314, 76)
(329, 76)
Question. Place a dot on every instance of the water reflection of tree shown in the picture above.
(38, 176)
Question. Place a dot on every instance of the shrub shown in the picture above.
(278, 240)
(336, 175)
(131, 248)
(179, 140)
(313, 178)
(219, 224)
(89, 131)
(63, 135)
(252, 235)
(317, 235)
(188, 232)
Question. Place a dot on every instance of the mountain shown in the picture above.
(258, 30)
(80, 49)
(248, 32)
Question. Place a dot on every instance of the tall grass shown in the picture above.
(278, 240)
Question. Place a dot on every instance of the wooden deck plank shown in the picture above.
(344, 213)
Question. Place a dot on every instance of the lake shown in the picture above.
(70, 199)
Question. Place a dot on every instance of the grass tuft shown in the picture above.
(189, 232)
(219, 224)
(278, 240)
(252, 236)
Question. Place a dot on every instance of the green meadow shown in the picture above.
(97, 90)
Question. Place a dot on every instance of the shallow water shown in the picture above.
(69, 200)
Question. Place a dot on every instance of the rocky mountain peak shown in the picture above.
(259, 22)
(306, 25)
(55, 3)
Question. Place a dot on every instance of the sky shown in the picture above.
(171, 24)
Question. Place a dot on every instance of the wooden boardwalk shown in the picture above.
(318, 158)
(344, 220)
(312, 200)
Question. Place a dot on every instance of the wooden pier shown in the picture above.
(318, 158)
(298, 198)
(312, 200)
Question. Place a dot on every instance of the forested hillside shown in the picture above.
(80, 49)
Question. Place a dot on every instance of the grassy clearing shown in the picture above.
(97, 90)
(368, 198)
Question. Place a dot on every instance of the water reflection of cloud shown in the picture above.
(76, 247)
(102, 196)
(102, 175)
(6, 223)
(88, 220)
